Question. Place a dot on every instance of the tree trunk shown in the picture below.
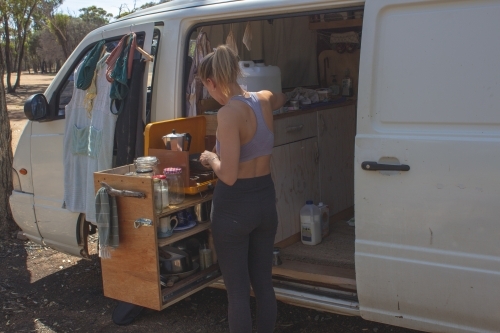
(8, 62)
(6, 221)
(21, 47)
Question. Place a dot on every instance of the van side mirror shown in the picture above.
(36, 107)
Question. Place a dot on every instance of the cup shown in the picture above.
(167, 225)
(182, 218)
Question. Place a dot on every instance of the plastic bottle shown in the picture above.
(325, 219)
(310, 224)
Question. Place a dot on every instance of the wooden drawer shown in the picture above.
(290, 129)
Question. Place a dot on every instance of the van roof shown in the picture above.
(171, 6)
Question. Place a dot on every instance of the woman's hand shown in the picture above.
(206, 157)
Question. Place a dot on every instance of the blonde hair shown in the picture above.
(221, 66)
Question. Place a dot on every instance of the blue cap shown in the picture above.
(309, 202)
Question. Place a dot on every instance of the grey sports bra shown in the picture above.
(263, 140)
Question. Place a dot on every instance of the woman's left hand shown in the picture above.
(206, 157)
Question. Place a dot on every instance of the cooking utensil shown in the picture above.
(195, 164)
(183, 275)
(175, 141)
(178, 262)
(202, 211)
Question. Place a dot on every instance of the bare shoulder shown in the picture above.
(228, 113)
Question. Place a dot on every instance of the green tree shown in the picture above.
(58, 25)
(95, 15)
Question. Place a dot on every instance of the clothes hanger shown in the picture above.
(146, 55)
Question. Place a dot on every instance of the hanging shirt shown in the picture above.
(88, 144)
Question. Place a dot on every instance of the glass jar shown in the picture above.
(147, 162)
(175, 185)
(148, 173)
(164, 191)
(157, 195)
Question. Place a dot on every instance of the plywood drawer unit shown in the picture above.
(291, 129)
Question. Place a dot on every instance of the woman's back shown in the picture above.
(255, 125)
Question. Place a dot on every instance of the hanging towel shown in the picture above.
(126, 124)
(247, 36)
(116, 53)
(88, 67)
(231, 42)
(107, 222)
(119, 86)
(195, 86)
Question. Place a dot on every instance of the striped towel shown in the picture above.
(107, 222)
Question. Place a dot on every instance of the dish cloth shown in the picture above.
(107, 223)
(88, 68)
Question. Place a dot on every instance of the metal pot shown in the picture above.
(202, 211)
(174, 261)
(175, 141)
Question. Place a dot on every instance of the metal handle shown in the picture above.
(294, 128)
(143, 222)
(374, 166)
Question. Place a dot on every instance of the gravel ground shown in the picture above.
(42, 290)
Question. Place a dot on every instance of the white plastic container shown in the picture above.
(310, 224)
(325, 219)
(258, 76)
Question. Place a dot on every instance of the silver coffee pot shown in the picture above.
(176, 141)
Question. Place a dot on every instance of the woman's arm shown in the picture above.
(226, 165)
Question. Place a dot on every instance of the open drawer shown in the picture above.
(132, 274)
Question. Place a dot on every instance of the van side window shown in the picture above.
(66, 91)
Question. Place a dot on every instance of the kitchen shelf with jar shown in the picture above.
(132, 274)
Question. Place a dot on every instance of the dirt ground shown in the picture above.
(42, 290)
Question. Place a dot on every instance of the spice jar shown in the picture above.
(175, 185)
(164, 190)
(157, 195)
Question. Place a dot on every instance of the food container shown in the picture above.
(147, 162)
(322, 94)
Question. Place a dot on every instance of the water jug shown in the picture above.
(256, 76)
(310, 224)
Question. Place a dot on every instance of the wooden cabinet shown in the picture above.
(336, 133)
(132, 274)
(313, 159)
(295, 171)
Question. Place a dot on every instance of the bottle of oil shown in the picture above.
(335, 86)
(347, 90)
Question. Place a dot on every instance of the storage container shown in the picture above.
(310, 224)
(256, 76)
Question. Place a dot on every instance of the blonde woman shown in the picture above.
(244, 219)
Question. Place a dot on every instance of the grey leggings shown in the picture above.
(244, 223)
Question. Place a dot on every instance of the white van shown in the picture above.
(411, 155)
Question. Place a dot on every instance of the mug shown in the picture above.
(167, 225)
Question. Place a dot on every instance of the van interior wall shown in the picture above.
(287, 43)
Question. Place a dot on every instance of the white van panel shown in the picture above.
(427, 250)
(22, 207)
(22, 159)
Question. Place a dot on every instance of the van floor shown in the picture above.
(337, 249)
(329, 262)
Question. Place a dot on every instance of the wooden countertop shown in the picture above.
(313, 109)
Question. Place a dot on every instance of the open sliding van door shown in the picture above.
(59, 228)
(427, 190)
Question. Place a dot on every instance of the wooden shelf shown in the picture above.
(189, 285)
(177, 236)
(340, 24)
(189, 201)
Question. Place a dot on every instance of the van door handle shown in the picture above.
(374, 166)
